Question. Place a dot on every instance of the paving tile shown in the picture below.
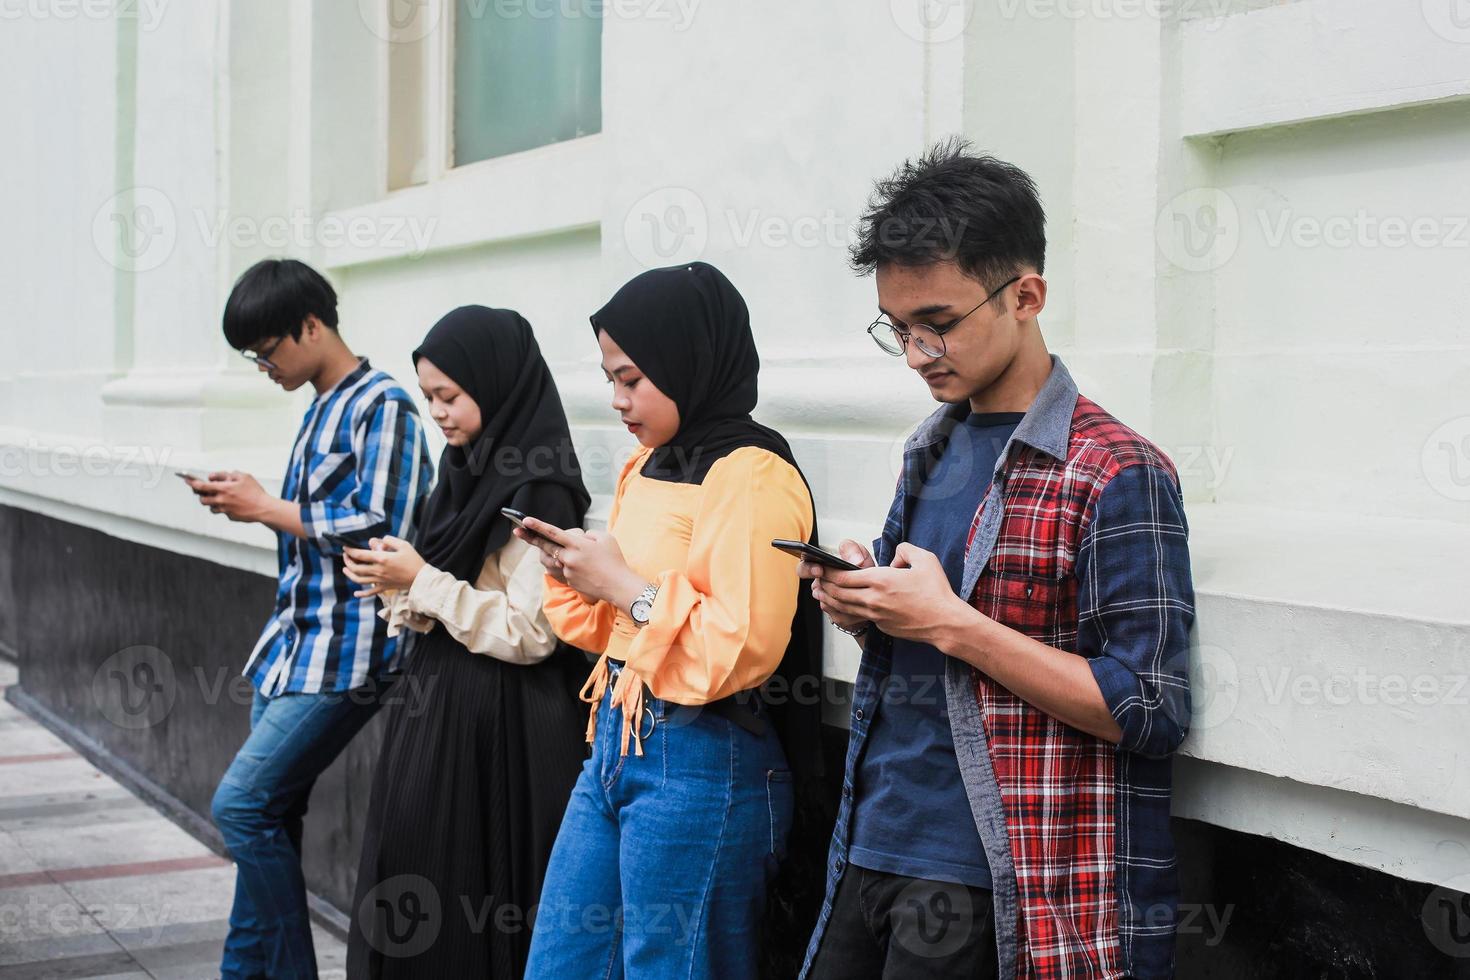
(40, 912)
(142, 834)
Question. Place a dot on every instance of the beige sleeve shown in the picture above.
(500, 614)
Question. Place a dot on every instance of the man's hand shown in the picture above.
(909, 600)
(589, 561)
(853, 552)
(388, 563)
(239, 496)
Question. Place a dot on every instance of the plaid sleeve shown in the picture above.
(392, 476)
(1135, 606)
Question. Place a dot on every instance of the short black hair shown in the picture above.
(950, 204)
(273, 298)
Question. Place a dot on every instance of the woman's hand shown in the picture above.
(392, 563)
(859, 556)
(589, 561)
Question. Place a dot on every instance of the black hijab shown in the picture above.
(523, 456)
(688, 330)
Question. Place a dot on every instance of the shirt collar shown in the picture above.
(351, 378)
(1046, 426)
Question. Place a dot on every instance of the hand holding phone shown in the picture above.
(518, 518)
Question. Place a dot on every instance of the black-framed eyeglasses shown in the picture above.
(263, 359)
(928, 338)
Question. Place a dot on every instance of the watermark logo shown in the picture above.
(136, 229)
(1450, 19)
(1445, 917)
(1199, 230)
(931, 21)
(135, 688)
(1214, 686)
(401, 916)
(932, 919)
(1445, 459)
(668, 226)
(401, 21)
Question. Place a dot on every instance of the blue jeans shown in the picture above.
(258, 809)
(661, 865)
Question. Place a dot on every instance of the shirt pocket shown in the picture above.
(1031, 604)
(332, 477)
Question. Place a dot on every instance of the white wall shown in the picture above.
(1313, 393)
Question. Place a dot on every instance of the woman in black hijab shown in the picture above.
(710, 650)
(478, 758)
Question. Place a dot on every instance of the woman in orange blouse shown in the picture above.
(679, 818)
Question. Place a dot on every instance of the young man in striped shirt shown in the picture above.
(358, 470)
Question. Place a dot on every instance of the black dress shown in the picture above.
(476, 769)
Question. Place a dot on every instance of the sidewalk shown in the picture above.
(95, 883)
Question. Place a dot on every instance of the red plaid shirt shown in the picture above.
(1058, 785)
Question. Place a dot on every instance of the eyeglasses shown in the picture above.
(927, 338)
(263, 359)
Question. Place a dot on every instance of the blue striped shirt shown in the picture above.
(359, 468)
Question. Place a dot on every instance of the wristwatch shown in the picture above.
(642, 606)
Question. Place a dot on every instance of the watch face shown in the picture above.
(641, 609)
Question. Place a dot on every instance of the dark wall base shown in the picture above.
(1293, 914)
(171, 717)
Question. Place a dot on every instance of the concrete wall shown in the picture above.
(1258, 250)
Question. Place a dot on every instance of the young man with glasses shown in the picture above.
(358, 470)
(1024, 623)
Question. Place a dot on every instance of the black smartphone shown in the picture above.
(813, 554)
(341, 541)
(519, 520)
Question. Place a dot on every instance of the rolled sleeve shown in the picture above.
(1135, 607)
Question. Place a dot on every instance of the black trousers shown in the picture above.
(890, 927)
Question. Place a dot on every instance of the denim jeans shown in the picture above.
(661, 865)
(258, 809)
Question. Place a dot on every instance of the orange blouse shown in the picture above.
(722, 618)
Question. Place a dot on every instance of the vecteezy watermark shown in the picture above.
(932, 919)
(138, 229)
(932, 21)
(1121, 10)
(135, 687)
(667, 226)
(1214, 686)
(37, 459)
(408, 21)
(1445, 459)
(673, 225)
(148, 13)
(1364, 687)
(139, 686)
(401, 916)
(1446, 917)
(30, 916)
(1363, 229)
(1450, 19)
(1199, 230)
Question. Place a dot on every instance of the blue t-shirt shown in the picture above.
(911, 815)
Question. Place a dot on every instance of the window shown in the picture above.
(526, 73)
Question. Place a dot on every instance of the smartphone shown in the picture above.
(813, 554)
(340, 541)
(519, 520)
(192, 475)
